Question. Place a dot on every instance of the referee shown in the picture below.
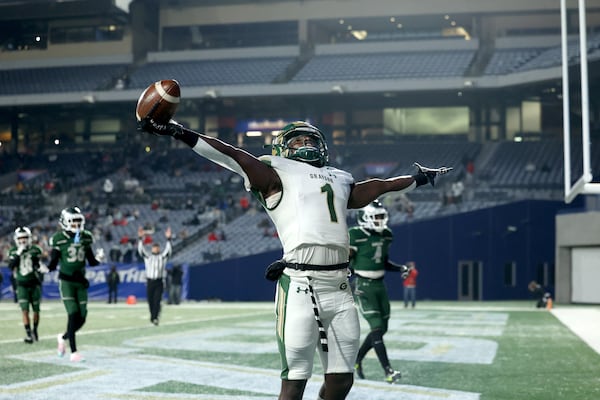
(155, 263)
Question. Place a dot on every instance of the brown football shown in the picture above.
(159, 101)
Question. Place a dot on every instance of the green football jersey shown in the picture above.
(371, 248)
(28, 263)
(72, 252)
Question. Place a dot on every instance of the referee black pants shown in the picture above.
(154, 292)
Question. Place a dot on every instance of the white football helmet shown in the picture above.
(23, 236)
(72, 220)
(373, 217)
(313, 151)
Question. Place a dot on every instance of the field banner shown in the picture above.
(133, 282)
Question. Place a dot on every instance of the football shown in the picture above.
(159, 101)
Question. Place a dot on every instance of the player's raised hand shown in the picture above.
(149, 125)
(168, 233)
(432, 173)
(100, 254)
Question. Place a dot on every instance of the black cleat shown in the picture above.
(392, 376)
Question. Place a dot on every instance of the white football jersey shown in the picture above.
(312, 208)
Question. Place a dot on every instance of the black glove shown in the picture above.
(404, 272)
(425, 175)
(171, 128)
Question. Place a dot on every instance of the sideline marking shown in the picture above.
(583, 322)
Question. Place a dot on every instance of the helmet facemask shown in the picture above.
(302, 142)
(373, 217)
(72, 220)
(22, 237)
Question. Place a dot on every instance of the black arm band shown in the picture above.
(420, 179)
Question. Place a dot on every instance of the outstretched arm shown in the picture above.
(366, 191)
(256, 174)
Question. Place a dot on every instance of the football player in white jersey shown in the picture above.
(314, 304)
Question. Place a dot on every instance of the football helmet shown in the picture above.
(312, 150)
(72, 220)
(373, 217)
(22, 236)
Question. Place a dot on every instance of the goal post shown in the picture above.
(584, 184)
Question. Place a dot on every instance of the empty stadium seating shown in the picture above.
(84, 78)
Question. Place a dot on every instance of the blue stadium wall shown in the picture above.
(521, 232)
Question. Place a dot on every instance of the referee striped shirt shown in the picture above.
(155, 263)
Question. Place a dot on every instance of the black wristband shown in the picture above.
(420, 179)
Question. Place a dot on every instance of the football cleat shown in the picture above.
(155, 321)
(28, 339)
(77, 357)
(392, 376)
(359, 371)
(35, 336)
(61, 345)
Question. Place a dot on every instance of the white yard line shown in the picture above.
(583, 321)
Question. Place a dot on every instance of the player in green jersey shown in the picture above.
(369, 259)
(24, 260)
(71, 247)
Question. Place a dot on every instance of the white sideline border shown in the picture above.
(584, 322)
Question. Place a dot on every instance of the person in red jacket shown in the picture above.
(410, 285)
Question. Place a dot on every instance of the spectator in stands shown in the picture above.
(410, 285)
(297, 178)
(113, 280)
(108, 187)
(212, 237)
(244, 203)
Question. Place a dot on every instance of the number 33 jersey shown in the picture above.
(312, 207)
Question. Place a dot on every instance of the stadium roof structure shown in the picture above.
(23, 10)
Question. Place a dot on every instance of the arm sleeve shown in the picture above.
(168, 249)
(54, 257)
(365, 192)
(207, 151)
(89, 255)
(392, 266)
(13, 263)
(256, 174)
(141, 250)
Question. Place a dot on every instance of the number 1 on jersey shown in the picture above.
(327, 189)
